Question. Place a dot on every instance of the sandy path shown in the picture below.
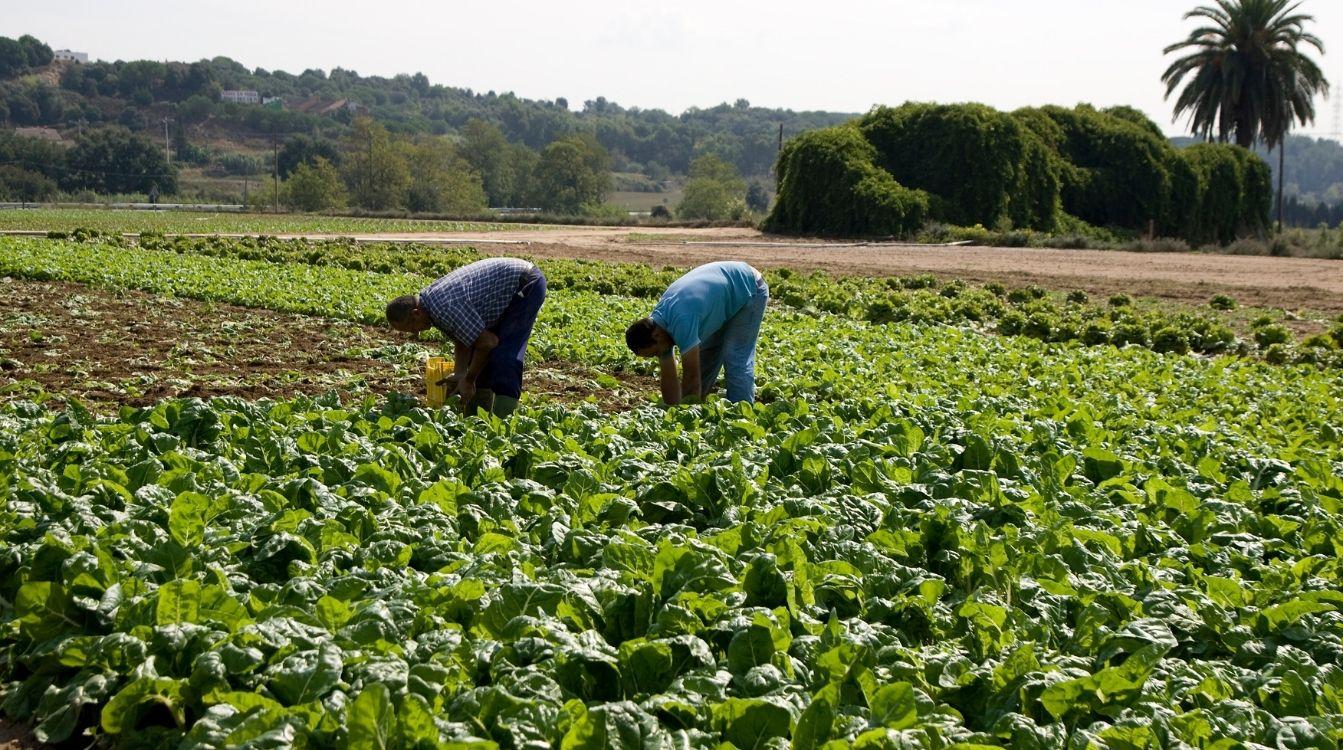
(1290, 283)
(1192, 278)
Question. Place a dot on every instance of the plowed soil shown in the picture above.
(112, 347)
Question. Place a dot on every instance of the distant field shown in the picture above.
(633, 201)
(108, 220)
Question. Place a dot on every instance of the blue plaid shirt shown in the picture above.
(472, 298)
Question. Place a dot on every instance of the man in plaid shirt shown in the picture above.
(487, 309)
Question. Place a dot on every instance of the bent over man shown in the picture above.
(712, 314)
(487, 309)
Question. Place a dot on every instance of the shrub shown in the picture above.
(1002, 170)
(1157, 245)
(1234, 192)
(1120, 300)
(1104, 157)
(995, 288)
(1222, 302)
(829, 185)
(1079, 297)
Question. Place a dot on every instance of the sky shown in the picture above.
(836, 55)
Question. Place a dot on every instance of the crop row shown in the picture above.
(928, 538)
(70, 219)
(1030, 312)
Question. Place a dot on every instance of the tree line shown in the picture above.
(136, 94)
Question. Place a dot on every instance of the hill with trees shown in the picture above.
(138, 95)
(404, 143)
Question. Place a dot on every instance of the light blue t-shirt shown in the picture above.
(700, 302)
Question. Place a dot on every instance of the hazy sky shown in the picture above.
(841, 55)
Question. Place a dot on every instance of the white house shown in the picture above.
(240, 97)
(66, 55)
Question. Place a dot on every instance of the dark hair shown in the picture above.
(640, 334)
(399, 309)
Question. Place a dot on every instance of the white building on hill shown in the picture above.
(240, 97)
(66, 55)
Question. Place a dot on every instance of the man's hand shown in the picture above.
(466, 388)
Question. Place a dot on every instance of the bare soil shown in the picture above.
(110, 348)
(1185, 278)
(16, 737)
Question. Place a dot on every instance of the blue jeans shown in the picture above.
(503, 370)
(731, 349)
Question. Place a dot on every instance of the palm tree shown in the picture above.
(1248, 75)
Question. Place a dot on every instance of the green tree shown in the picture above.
(1250, 75)
(441, 181)
(572, 172)
(38, 54)
(115, 160)
(303, 149)
(18, 184)
(314, 187)
(374, 168)
(492, 157)
(757, 197)
(714, 191)
(13, 58)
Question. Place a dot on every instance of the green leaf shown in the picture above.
(307, 675)
(749, 723)
(749, 649)
(371, 719)
(894, 706)
(124, 711)
(178, 601)
(815, 723)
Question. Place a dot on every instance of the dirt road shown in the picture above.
(1189, 278)
(1192, 278)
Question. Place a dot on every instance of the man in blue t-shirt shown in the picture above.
(712, 314)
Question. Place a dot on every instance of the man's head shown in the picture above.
(647, 339)
(405, 314)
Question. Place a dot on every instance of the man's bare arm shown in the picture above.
(690, 377)
(480, 354)
(671, 385)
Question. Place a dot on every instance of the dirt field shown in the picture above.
(111, 348)
(1188, 278)
(16, 737)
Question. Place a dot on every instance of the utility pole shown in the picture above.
(167, 155)
(275, 162)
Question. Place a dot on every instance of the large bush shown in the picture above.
(830, 185)
(1040, 168)
(1116, 174)
(982, 166)
(1235, 192)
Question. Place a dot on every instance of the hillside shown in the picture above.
(140, 94)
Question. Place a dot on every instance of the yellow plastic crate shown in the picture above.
(436, 369)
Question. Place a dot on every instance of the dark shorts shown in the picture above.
(503, 371)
